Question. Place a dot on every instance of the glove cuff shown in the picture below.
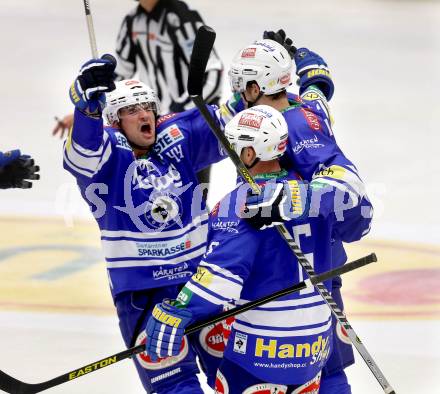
(320, 78)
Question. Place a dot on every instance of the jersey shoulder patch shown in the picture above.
(168, 137)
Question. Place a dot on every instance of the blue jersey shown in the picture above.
(286, 341)
(150, 210)
(314, 154)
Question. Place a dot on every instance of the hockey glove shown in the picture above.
(165, 329)
(280, 38)
(278, 202)
(15, 168)
(312, 70)
(94, 79)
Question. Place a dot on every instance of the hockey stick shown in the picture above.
(15, 386)
(199, 58)
(91, 29)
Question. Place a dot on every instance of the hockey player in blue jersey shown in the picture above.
(124, 210)
(259, 74)
(282, 346)
(138, 175)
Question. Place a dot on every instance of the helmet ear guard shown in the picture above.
(261, 127)
(128, 92)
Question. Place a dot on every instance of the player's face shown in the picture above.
(139, 124)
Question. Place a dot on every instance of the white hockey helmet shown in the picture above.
(128, 92)
(260, 127)
(266, 62)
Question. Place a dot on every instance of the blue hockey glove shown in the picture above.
(165, 329)
(280, 38)
(15, 168)
(312, 70)
(94, 79)
(278, 202)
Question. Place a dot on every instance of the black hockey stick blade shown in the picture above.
(202, 48)
(15, 386)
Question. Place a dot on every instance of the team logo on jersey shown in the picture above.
(266, 388)
(145, 360)
(157, 194)
(342, 334)
(312, 119)
(250, 120)
(221, 384)
(249, 52)
(211, 339)
(164, 211)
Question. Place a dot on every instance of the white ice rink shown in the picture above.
(385, 61)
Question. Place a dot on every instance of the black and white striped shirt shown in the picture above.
(157, 47)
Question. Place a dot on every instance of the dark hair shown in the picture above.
(274, 96)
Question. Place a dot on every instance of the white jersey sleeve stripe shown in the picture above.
(91, 163)
(75, 168)
(203, 294)
(221, 286)
(222, 271)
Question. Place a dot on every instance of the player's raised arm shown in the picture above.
(84, 150)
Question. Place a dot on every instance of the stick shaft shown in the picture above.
(91, 29)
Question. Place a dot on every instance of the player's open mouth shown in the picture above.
(146, 128)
